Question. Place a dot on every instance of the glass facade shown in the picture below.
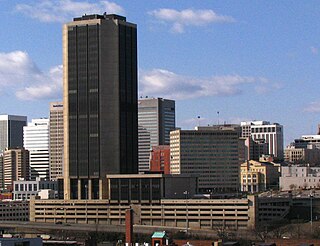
(102, 100)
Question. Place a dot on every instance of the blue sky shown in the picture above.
(246, 59)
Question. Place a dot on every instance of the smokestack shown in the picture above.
(129, 226)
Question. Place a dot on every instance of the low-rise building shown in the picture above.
(310, 155)
(146, 188)
(14, 210)
(24, 189)
(21, 241)
(237, 214)
(299, 177)
(259, 176)
(160, 159)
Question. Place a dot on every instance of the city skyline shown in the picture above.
(246, 61)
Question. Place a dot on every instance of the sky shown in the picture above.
(225, 61)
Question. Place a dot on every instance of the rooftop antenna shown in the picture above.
(218, 118)
(198, 120)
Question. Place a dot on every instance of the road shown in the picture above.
(41, 228)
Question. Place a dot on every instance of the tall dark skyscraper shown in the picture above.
(100, 98)
(11, 131)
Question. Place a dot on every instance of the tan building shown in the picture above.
(192, 213)
(259, 176)
(302, 155)
(214, 153)
(56, 140)
(15, 166)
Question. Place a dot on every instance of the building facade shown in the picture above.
(15, 166)
(144, 147)
(299, 177)
(11, 131)
(214, 153)
(259, 176)
(160, 159)
(100, 99)
(307, 140)
(271, 133)
(56, 132)
(255, 148)
(24, 189)
(302, 155)
(14, 210)
(237, 214)
(156, 116)
(36, 140)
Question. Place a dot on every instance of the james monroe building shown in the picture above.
(100, 98)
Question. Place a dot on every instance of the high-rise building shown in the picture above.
(100, 103)
(144, 147)
(307, 140)
(15, 166)
(213, 153)
(36, 140)
(156, 116)
(11, 131)
(1, 172)
(56, 140)
(271, 133)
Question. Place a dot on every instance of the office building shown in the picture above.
(272, 134)
(214, 153)
(100, 103)
(36, 140)
(144, 147)
(259, 176)
(160, 159)
(299, 177)
(56, 140)
(157, 117)
(15, 166)
(255, 148)
(14, 211)
(11, 131)
(149, 188)
(307, 140)
(1, 173)
(310, 155)
(24, 189)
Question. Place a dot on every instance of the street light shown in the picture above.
(187, 219)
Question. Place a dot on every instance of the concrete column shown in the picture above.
(79, 189)
(89, 189)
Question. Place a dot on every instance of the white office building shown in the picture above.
(156, 118)
(36, 140)
(271, 133)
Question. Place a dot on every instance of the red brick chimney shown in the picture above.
(129, 226)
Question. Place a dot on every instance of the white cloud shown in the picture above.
(164, 83)
(267, 86)
(189, 17)
(313, 107)
(65, 10)
(20, 76)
